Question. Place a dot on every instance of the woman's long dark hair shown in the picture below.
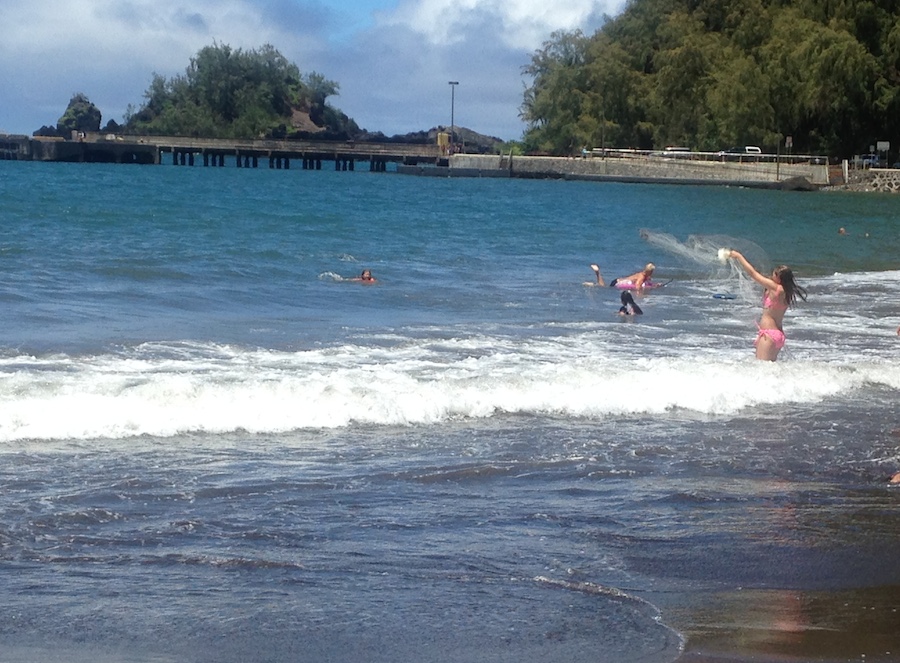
(791, 290)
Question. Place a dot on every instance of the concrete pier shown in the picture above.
(180, 151)
(282, 155)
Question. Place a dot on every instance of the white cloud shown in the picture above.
(161, 31)
(520, 24)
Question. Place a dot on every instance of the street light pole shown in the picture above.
(453, 85)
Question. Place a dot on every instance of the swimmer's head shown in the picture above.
(649, 268)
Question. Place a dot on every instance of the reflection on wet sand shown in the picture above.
(787, 625)
(809, 575)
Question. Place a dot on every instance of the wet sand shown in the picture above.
(778, 626)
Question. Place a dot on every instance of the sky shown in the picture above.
(392, 59)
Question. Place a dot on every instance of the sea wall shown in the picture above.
(885, 180)
(871, 180)
(646, 168)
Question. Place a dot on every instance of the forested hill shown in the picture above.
(233, 93)
(709, 74)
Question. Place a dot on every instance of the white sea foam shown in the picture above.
(165, 391)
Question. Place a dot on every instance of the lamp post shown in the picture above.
(453, 85)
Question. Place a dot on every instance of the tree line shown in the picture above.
(709, 74)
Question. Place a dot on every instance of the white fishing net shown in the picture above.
(703, 252)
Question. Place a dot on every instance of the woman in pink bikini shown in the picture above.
(781, 292)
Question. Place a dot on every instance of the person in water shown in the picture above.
(637, 281)
(365, 277)
(781, 292)
(628, 306)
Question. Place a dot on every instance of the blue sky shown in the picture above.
(392, 59)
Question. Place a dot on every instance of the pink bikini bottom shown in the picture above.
(775, 335)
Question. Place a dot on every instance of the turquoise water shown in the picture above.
(216, 447)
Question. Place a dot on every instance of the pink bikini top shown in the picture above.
(776, 305)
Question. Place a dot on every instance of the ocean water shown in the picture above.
(214, 446)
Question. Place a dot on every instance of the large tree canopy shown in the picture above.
(714, 73)
(232, 93)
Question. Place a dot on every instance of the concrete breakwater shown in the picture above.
(650, 168)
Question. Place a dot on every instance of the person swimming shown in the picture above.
(365, 277)
(628, 303)
(781, 292)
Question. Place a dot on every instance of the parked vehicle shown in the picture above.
(747, 149)
(672, 151)
(745, 153)
(870, 161)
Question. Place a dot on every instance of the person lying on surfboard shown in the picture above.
(637, 281)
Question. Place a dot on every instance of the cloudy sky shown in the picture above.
(392, 59)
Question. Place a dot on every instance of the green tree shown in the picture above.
(555, 104)
(232, 93)
(618, 94)
(684, 74)
(740, 111)
(316, 90)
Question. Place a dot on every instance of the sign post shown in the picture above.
(884, 146)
